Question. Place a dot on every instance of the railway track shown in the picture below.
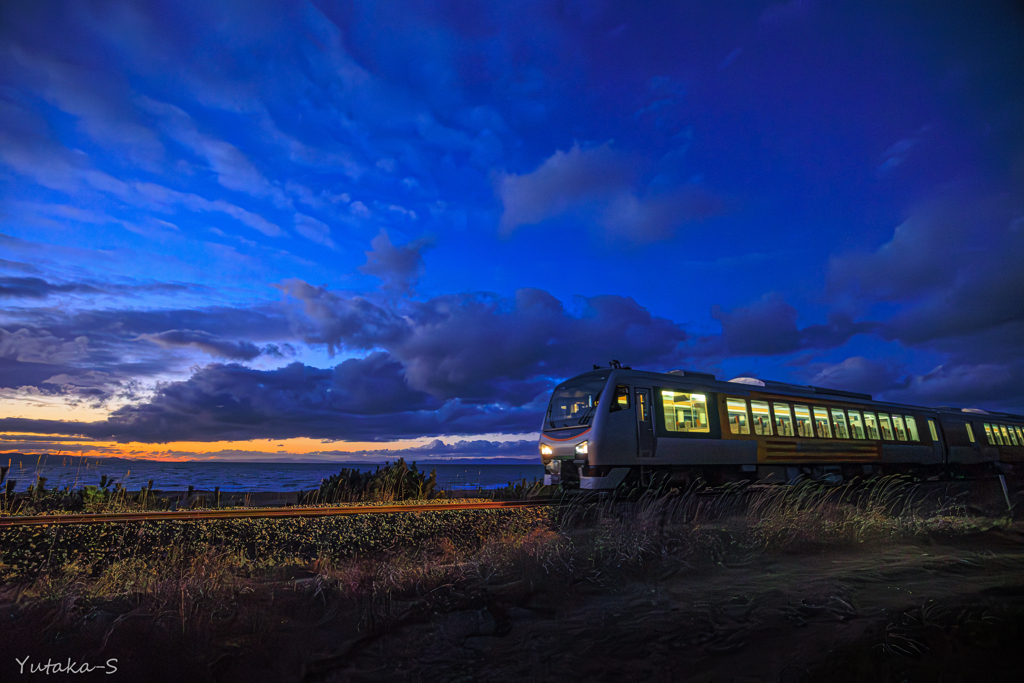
(198, 515)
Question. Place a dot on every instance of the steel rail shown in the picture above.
(234, 513)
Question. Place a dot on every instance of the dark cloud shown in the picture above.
(18, 265)
(484, 347)
(858, 373)
(37, 288)
(342, 321)
(561, 181)
(600, 185)
(205, 342)
(995, 386)
(952, 279)
(943, 244)
(769, 327)
(98, 354)
(398, 267)
(254, 323)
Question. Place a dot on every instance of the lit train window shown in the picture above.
(1007, 438)
(856, 424)
(970, 432)
(762, 418)
(804, 426)
(996, 435)
(685, 412)
(839, 419)
(912, 428)
(1013, 436)
(901, 431)
(821, 423)
(988, 433)
(737, 409)
(935, 432)
(621, 401)
(783, 419)
(871, 425)
(883, 421)
(1020, 436)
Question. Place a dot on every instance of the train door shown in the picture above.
(938, 440)
(645, 439)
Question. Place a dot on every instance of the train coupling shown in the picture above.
(563, 472)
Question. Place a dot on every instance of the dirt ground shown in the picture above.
(942, 609)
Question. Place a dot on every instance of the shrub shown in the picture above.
(396, 481)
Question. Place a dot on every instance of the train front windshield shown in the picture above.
(574, 402)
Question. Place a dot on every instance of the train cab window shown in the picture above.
(737, 409)
(762, 419)
(886, 425)
(621, 400)
(912, 428)
(839, 420)
(1007, 437)
(901, 431)
(970, 432)
(804, 425)
(856, 424)
(933, 430)
(783, 419)
(821, 425)
(685, 412)
(871, 424)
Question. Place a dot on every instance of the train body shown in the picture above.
(617, 424)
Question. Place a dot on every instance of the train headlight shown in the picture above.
(581, 448)
(545, 449)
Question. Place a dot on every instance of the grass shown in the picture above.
(393, 483)
(200, 579)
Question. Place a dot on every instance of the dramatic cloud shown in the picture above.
(360, 399)
(484, 347)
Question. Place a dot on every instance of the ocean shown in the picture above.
(242, 476)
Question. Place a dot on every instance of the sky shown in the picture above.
(315, 230)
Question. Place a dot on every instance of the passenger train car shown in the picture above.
(617, 424)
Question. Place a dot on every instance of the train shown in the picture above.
(615, 425)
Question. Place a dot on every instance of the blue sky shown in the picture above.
(343, 226)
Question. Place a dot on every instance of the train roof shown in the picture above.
(742, 385)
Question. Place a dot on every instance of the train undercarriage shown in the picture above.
(576, 475)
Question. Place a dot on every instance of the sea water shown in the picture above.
(242, 476)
